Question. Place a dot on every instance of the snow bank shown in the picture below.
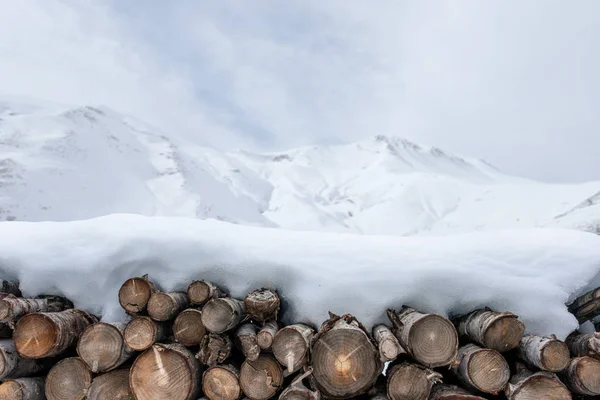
(530, 272)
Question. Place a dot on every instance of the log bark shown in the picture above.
(10, 287)
(245, 338)
(187, 328)
(142, 332)
(13, 308)
(41, 335)
(387, 343)
(527, 385)
(500, 331)
(261, 379)
(165, 371)
(113, 385)
(483, 370)
(102, 347)
(582, 376)
(69, 379)
(430, 339)
(199, 292)
(298, 391)
(586, 306)
(13, 365)
(222, 314)
(442, 391)
(266, 334)
(164, 306)
(23, 389)
(262, 305)
(135, 293)
(222, 382)
(291, 346)
(584, 344)
(214, 349)
(407, 381)
(345, 361)
(546, 353)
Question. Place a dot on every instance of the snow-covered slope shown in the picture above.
(63, 163)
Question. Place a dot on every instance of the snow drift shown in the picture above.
(531, 272)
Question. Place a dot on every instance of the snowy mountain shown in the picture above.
(63, 163)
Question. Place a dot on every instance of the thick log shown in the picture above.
(587, 344)
(546, 353)
(586, 306)
(13, 365)
(69, 379)
(291, 346)
(222, 382)
(113, 385)
(410, 381)
(430, 339)
(41, 335)
(165, 371)
(582, 376)
(164, 306)
(199, 292)
(23, 389)
(102, 347)
(10, 287)
(442, 391)
(187, 328)
(214, 349)
(527, 385)
(262, 378)
(222, 314)
(262, 305)
(245, 338)
(142, 332)
(13, 308)
(345, 361)
(298, 391)
(266, 334)
(387, 343)
(500, 331)
(135, 293)
(483, 370)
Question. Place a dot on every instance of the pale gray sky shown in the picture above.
(514, 82)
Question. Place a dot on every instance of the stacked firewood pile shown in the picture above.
(205, 344)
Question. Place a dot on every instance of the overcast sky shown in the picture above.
(514, 82)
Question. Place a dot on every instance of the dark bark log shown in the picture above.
(13, 308)
(199, 292)
(546, 353)
(527, 385)
(262, 305)
(10, 287)
(387, 343)
(187, 328)
(582, 376)
(407, 381)
(261, 379)
(69, 379)
(214, 349)
(586, 306)
(165, 371)
(587, 344)
(298, 391)
(266, 335)
(222, 382)
(291, 346)
(102, 347)
(345, 360)
(41, 335)
(13, 365)
(483, 370)
(135, 293)
(142, 332)
(113, 385)
(245, 338)
(164, 306)
(442, 391)
(430, 339)
(23, 389)
(500, 331)
(222, 314)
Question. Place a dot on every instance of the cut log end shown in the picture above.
(199, 292)
(5, 310)
(69, 379)
(35, 336)
(583, 376)
(555, 356)
(262, 304)
(526, 385)
(504, 334)
(410, 381)
(433, 341)
(113, 385)
(23, 389)
(214, 349)
(261, 379)
(165, 306)
(291, 345)
(266, 335)
(135, 293)
(101, 347)
(221, 383)
(488, 371)
(222, 314)
(187, 328)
